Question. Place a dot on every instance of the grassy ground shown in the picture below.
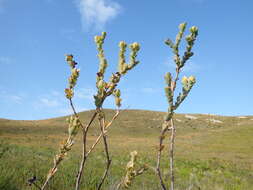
(212, 152)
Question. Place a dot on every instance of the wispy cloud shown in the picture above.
(16, 99)
(4, 59)
(190, 67)
(8, 97)
(54, 99)
(68, 110)
(96, 13)
(49, 102)
(56, 103)
(148, 90)
(85, 93)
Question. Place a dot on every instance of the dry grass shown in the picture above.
(222, 151)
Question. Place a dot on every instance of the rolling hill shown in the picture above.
(226, 141)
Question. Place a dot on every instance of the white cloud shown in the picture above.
(190, 67)
(148, 90)
(68, 110)
(85, 93)
(3, 59)
(11, 98)
(56, 93)
(49, 102)
(16, 99)
(53, 99)
(96, 13)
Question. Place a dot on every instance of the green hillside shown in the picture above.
(212, 152)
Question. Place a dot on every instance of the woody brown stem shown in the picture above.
(102, 127)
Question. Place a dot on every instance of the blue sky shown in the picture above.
(35, 35)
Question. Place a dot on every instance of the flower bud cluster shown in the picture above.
(99, 40)
(132, 171)
(187, 84)
(122, 60)
(190, 42)
(169, 94)
(180, 34)
(118, 100)
(123, 66)
(73, 77)
(65, 146)
(190, 39)
(105, 89)
(74, 125)
(175, 47)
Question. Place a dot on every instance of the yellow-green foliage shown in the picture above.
(187, 83)
(174, 102)
(104, 90)
(132, 170)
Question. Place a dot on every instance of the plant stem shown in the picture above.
(161, 138)
(171, 151)
(101, 134)
(84, 157)
(74, 110)
(49, 177)
(102, 127)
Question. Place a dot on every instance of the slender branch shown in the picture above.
(171, 152)
(74, 110)
(101, 134)
(53, 170)
(84, 157)
(119, 184)
(175, 81)
(102, 127)
(162, 136)
(85, 153)
(160, 148)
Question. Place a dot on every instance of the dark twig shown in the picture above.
(102, 127)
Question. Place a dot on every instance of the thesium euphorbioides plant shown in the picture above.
(104, 90)
(174, 102)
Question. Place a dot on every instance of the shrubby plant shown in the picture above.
(104, 90)
(174, 103)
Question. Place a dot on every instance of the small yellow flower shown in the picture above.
(69, 57)
(194, 29)
(184, 80)
(69, 93)
(182, 26)
(97, 39)
(103, 35)
(135, 46)
(122, 44)
(192, 79)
